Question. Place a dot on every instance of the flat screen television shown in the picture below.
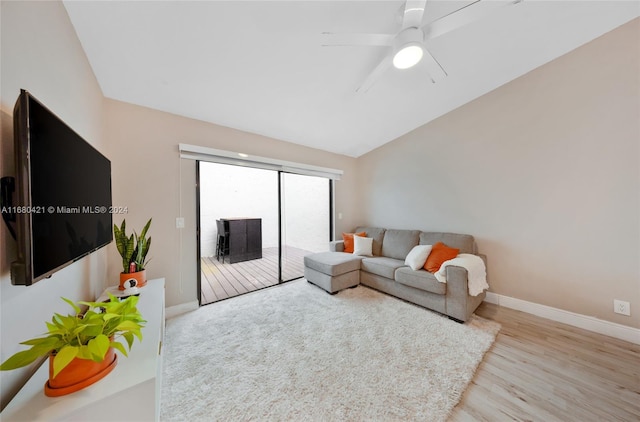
(62, 199)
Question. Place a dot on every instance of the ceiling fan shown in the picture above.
(407, 47)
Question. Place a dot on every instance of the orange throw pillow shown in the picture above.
(348, 240)
(439, 253)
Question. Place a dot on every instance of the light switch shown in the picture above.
(180, 223)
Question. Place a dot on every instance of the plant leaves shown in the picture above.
(85, 337)
(57, 321)
(40, 341)
(128, 326)
(129, 338)
(117, 345)
(92, 330)
(99, 346)
(133, 300)
(73, 305)
(115, 306)
(144, 230)
(109, 316)
(124, 244)
(68, 322)
(21, 359)
(63, 358)
(84, 353)
(52, 328)
(79, 329)
(142, 247)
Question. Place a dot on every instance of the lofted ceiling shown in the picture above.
(259, 66)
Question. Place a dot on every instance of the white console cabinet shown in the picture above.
(131, 392)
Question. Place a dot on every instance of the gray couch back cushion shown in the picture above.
(398, 243)
(377, 234)
(464, 242)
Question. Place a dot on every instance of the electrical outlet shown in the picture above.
(179, 223)
(621, 307)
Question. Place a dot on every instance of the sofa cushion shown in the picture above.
(398, 243)
(347, 238)
(362, 246)
(420, 279)
(439, 254)
(464, 242)
(418, 256)
(382, 266)
(377, 234)
(332, 263)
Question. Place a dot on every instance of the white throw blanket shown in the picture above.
(475, 268)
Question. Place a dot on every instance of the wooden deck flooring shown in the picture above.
(224, 280)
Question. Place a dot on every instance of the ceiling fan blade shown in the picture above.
(433, 67)
(413, 12)
(330, 39)
(463, 16)
(375, 74)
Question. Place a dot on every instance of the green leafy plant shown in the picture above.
(87, 335)
(133, 249)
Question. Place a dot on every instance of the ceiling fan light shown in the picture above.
(408, 56)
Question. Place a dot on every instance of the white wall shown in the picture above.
(544, 171)
(41, 53)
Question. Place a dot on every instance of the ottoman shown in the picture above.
(332, 271)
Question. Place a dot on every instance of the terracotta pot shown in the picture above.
(140, 277)
(80, 373)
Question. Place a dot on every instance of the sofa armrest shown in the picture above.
(336, 246)
(459, 304)
(457, 280)
(458, 276)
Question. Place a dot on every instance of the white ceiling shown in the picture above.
(259, 66)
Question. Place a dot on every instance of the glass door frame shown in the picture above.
(279, 173)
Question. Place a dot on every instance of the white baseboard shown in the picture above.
(172, 311)
(596, 325)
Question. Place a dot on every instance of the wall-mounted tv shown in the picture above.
(62, 199)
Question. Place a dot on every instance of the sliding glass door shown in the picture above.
(284, 215)
(238, 230)
(304, 220)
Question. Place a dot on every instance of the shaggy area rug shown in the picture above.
(294, 352)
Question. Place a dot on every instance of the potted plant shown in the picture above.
(133, 249)
(81, 346)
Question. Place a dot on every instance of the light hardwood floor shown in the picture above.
(541, 370)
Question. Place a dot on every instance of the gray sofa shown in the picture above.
(386, 271)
